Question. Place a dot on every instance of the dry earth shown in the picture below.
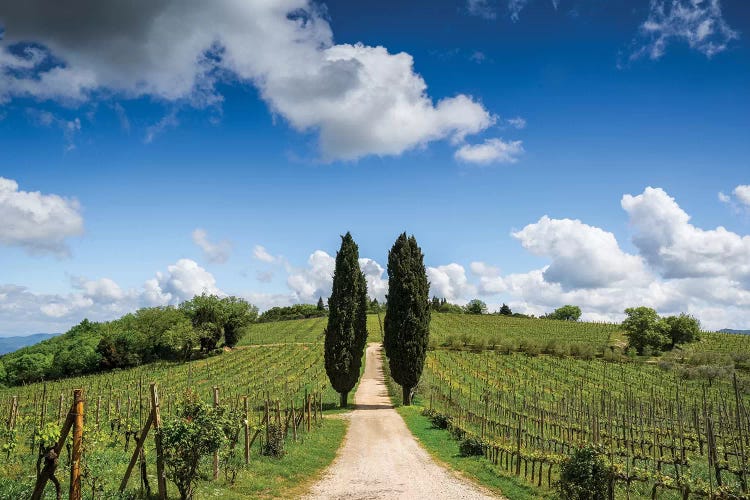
(380, 458)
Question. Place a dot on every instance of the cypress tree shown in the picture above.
(407, 317)
(346, 333)
(321, 305)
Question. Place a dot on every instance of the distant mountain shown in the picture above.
(10, 344)
(729, 330)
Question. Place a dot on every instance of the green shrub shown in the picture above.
(196, 431)
(471, 447)
(274, 446)
(584, 475)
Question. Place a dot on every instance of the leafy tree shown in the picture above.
(196, 431)
(207, 315)
(238, 313)
(645, 330)
(476, 306)
(321, 305)
(297, 311)
(346, 333)
(584, 476)
(29, 367)
(566, 313)
(505, 310)
(682, 329)
(215, 317)
(407, 319)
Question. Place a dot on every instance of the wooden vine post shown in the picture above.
(161, 478)
(75, 459)
(73, 420)
(154, 419)
(247, 431)
(216, 453)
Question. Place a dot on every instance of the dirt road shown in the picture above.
(380, 458)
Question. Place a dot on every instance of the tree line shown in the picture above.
(195, 327)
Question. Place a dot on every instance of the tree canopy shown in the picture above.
(566, 313)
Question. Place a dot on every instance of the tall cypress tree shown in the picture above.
(407, 317)
(346, 333)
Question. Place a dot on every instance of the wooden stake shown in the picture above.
(247, 431)
(161, 478)
(136, 453)
(216, 453)
(75, 459)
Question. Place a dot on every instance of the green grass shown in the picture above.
(288, 477)
(441, 445)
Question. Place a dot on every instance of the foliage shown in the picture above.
(346, 332)
(505, 310)
(644, 330)
(471, 446)
(443, 306)
(274, 447)
(407, 319)
(682, 329)
(649, 334)
(584, 475)
(566, 313)
(196, 431)
(297, 311)
(476, 306)
(321, 307)
(214, 317)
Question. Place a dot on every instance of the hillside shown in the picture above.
(10, 344)
(566, 382)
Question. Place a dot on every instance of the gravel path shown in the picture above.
(380, 458)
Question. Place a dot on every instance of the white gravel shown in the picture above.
(380, 458)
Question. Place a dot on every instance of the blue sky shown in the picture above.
(273, 130)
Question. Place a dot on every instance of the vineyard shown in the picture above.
(523, 393)
(280, 383)
(666, 436)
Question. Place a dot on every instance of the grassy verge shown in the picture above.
(288, 477)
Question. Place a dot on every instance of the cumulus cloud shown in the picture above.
(183, 280)
(490, 151)
(450, 282)
(700, 23)
(361, 100)
(38, 223)
(315, 280)
(218, 252)
(582, 256)
(377, 284)
(678, 249)
(742, 194)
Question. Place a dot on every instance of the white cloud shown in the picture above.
(490, 151)
(676, 248)
(517, 122)
(450, 282)
(698, 22)
(315, 280)
(377, 284)
(724, 198)
(38, 223)
(360, 100)
(742, 194)
(214, 252)
(481, 8)
(183, 280)
(260, 253)
(103, 290)
(582, 256)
